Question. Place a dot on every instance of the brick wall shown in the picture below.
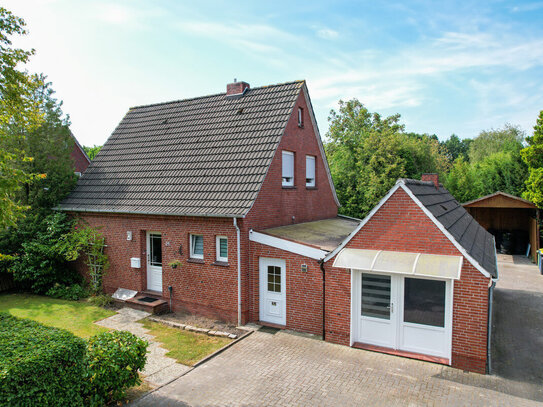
(80, 160)
(303, 289)
(206, 288)
(275, 205)
(400, 225)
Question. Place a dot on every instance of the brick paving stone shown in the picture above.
(287, 369)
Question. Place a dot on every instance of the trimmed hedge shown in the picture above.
(39, 365)
(45, 366)
(113, 361)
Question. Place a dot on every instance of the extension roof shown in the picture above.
(475, 239)
(206, 156)
(472, 240)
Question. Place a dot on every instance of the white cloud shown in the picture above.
(327, 34)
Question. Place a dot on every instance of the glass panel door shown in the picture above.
(375, 296)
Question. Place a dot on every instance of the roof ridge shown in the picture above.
(213, 95)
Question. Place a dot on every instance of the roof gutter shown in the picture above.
(239, 269)
(489, 326)
(207, 215)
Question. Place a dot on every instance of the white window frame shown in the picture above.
(300, 117)
(310, 184)
(285, 182)
(218, 249)
(196, 255)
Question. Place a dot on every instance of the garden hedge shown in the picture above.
(39, 365)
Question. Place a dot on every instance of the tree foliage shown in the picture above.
(92, 151)
(493, 164)
(19, 113)
(533, 157)
(456, 147)
(368, 153)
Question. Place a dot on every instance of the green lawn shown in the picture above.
(75, 316)
(185, 346)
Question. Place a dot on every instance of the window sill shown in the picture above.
(193, 260)
(220, 263)
(289, 187)
(310, 187)
(301, 126)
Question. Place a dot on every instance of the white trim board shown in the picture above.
(319, 141)
(401, 184)
(287, 245)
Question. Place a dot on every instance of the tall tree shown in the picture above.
(368, 153)
(456, 147)
(19, 114)
(533, 157)
(494, 165)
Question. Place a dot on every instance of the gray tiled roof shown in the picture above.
(477, 242)
(206, 156)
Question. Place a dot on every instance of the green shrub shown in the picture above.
(102, 300)
(41, 261)
(39, 365)
(72, 292)
(114, 359)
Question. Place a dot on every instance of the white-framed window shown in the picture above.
(309, 171)
(77, 174)
(196, 246)
(300, 117)
(288, 169)
(222, 248)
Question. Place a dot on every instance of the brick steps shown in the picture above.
(158, 306)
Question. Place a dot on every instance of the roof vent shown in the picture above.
(237, 88)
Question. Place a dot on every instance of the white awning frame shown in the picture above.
(409, 264)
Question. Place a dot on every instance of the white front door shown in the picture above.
(404, 313)
(273, 291)
(154, 261)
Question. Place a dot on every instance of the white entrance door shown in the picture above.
(273, 291)
(154, 261)
(376, 309)
(404, 313)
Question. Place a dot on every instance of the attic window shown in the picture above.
(300, 117)
(240, 110)
(288, 169)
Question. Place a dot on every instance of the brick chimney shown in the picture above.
(236, 88)
(433, 177)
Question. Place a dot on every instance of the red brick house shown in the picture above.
(414, 278)
(80, 158)
(236, 187)
(187, 180)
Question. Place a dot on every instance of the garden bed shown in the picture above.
(204, 323)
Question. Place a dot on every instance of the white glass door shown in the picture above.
(404, 313)
(376, 313)
(154, 261)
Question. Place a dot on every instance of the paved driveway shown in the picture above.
(517, 346)
(285, 369)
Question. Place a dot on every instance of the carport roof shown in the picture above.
(494, 201)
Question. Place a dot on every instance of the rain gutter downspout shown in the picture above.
(321, 262)
(489, 328)
(239, 269)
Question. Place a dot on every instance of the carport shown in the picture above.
(512, 220)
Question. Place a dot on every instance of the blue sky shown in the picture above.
(446, 67)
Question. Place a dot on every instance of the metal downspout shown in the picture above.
(323, 300)
(239, 269)
(489, 329)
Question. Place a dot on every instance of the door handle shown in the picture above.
(391, 307)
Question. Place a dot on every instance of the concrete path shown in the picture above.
(159, 369)
(517, 346)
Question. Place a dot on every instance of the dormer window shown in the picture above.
(288, 169)
(309, 171)
(300, 117)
